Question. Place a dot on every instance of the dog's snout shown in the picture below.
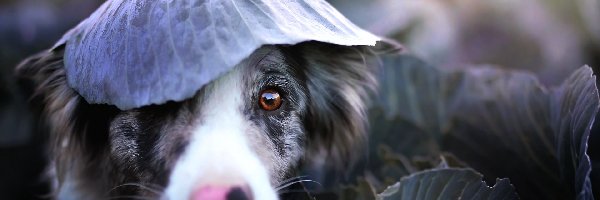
(240, 192)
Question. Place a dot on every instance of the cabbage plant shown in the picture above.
(498, 134)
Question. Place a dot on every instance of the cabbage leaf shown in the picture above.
(132, 53)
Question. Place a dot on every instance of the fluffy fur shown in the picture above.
(219, 136)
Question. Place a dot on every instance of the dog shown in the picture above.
(243, 136)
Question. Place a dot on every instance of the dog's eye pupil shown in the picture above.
(269, 100)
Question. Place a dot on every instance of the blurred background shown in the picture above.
(27, 27)
(549, 38)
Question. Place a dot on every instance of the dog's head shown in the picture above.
(242, 135)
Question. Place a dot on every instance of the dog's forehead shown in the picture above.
(266, 55)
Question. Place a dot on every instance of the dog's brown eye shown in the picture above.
(269, 100)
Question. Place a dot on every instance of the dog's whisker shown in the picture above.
(294, 182)
(291, 179)
(151, 188)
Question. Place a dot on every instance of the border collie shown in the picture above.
(243, 136)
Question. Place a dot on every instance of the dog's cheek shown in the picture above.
(279, 144)
(260, 142)
(166, 152)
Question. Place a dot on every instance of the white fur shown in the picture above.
(219, 152)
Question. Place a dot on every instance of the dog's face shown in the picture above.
(239, 137)
(243, 130)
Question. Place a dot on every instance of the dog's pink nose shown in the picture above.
(222, 193)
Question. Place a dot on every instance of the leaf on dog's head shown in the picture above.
(132, 53)
(448, 183)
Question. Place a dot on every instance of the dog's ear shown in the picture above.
(339, 80)
(40, 75)
(42, 78)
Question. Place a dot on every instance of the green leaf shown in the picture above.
(447, 184)
(411, 101)
(501, 123)
(577, 99)
(505, 124)
(363, 190)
